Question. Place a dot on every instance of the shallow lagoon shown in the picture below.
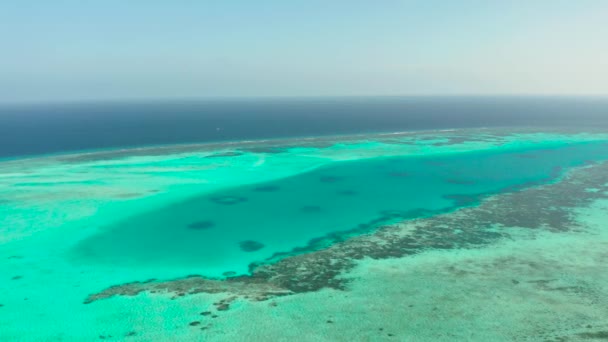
(343, 198)
(75, 225)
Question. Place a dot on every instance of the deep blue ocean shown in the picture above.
(30, 129)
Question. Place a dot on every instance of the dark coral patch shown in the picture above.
(250, 245)
(462, 200)
(556, 171)
(459, 181)
(224, 154)
(129, 195)
(401, 214)
(266, 188)
(223, 307)
(228, 200)
(329, 179)
(389, 214)
(229, 274)
(224, 304)
(600, 335)
(310, 209)
(201, 225)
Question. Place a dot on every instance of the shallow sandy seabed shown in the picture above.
(529, 265)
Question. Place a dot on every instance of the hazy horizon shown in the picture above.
(270, 98)
(106, 51)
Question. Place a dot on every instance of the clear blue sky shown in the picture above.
(109, 49)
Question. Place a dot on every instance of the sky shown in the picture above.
(64, 50)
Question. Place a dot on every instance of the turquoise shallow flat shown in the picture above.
(342, 236)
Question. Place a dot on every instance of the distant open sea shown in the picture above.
(32, 129)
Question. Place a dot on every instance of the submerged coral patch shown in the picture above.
(250, 245)
(201, 225)
(310, 209)
(460, 181)
(225, 154)
(387, 214)
(129, 195)
(401, 214)
(330, 179)
(599, 335)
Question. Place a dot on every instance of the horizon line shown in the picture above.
(144, 99)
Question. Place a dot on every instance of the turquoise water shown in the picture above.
(79, 225)
(222, 233)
